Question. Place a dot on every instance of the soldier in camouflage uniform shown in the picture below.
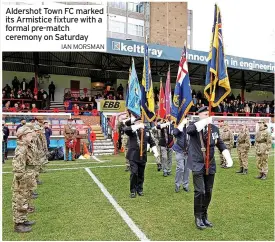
(44, 143)
(263, 145)
(155, 135)
(20, 181)
(228, 138)
(243, 147)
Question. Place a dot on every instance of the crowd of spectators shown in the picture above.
(231, 104)
(21, 98)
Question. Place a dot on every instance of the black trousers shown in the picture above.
(137, 176)
(203, 186)
(51, 94)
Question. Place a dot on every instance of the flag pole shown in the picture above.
(142, 116)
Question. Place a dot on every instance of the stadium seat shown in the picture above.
(11, 144)
(79, 121)
(63, 121)
(53, 143)
(55, 122)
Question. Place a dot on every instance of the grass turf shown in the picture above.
(72, 207)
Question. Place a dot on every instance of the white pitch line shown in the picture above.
(119, 209)
(95, 158)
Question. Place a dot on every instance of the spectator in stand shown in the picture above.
(15, 83)
(45, 102)
(7, 106)
(246, 108)
(7, 88)
(22, 123)
(239, 97)
(34, 108)
(272, 109)
(199, 95)
(16, 106)
(48, 133)
(253, 108)
(67, 95)
(241, 106)
(120, 89)
(24, 85)
(24, 108)
(32, 84)
(51, 91)
(193, 109)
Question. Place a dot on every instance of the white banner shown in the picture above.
(53, 27)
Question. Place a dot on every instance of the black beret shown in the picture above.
(203, 109)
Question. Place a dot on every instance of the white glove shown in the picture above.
(228, 158)
(155, 151)
(132, 120)
(181, 125)
(202, 123)
(135, 127)
(148, 147)
(154, 128)
(164, 125)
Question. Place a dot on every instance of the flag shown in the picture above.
(127, 87)
(216, 67)
(168, 98)
(182, 100)
(162, 111)
(134, 93)
(147, 93)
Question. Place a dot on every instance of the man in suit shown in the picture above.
(203, 183)
(137, 163)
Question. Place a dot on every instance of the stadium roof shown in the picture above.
(115, 64)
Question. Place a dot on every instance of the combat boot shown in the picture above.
(21, 228)
(260, 176)
(29, 223)
(240, 171)
(245, 171)
(159, 167)
(264, 177)
(206, 222)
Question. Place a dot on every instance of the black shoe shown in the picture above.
(199, 223)
(206, 222)
(177, 189)
(240, 171)
(127, 168)
(21, 228)
(264, 177)
(260, 176)
(159, 167)
(245, 171)
(29, 223)
(133, 195)
(169, 173)
(140, 193)
(186, 189)
(165, 174)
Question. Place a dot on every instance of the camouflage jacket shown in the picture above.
(20, 159)
(244, 140)
(228, 138)
(263, 141)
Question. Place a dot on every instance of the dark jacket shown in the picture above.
(181, 145)
(195, 156)
(133, 146)
(163, 133)
(6, 133)
(48, 133)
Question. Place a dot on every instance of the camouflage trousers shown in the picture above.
(243, 158)
(261, 162)
(127, 163)
(223, 161)
(19, 201)
(166, 158)
(31, 183)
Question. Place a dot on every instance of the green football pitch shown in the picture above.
(74, 204)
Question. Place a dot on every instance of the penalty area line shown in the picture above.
(118, 208)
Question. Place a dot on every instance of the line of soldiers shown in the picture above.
(29, 161)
